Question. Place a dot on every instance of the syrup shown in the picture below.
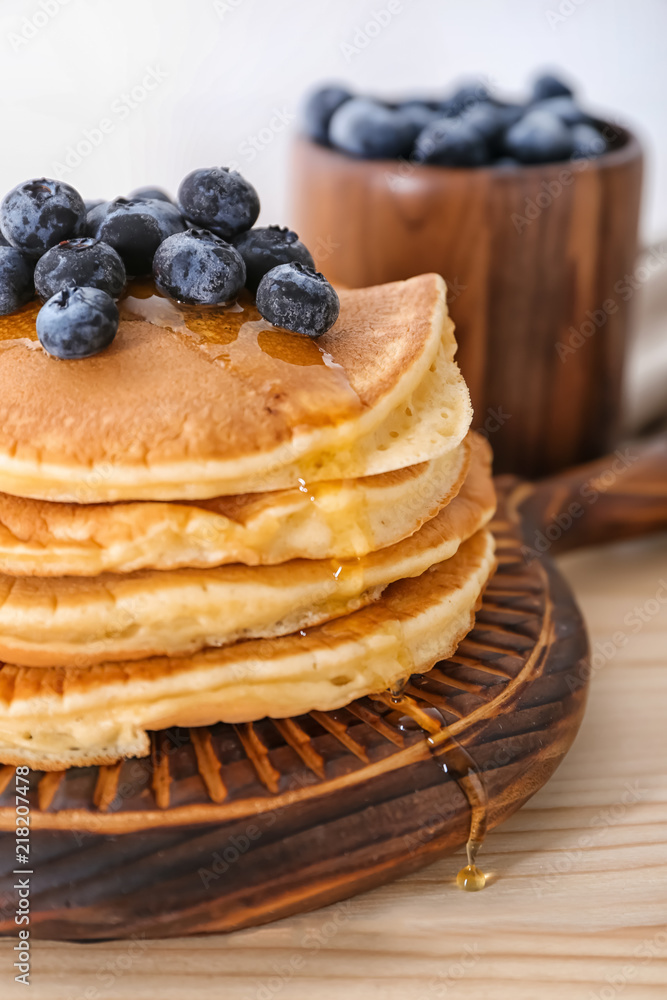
(291, 373)
(396, 691)
(471, 878)
(454, 760)
(221, 325)
(302, 377)
(348, 576)
(345, 512)
(21, 324)
(285, 374)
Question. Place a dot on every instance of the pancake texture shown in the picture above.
(216, 520)
(329, 520)
(57, 622)
(65, 717)
(178, 408)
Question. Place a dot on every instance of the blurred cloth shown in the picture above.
(645, 394)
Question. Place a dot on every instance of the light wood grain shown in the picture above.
(578, 897)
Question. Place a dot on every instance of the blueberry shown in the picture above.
(362, 127)
(564, 108)
(508, 113)
(466, 96)
(419, 115)
(492, 119)
(220, 200)
(448, 108)
(550, 85)
(135, 229)
(506, 161)
(587, 142)
(3, 241)
(539, 137)
(92, 203)
(264, 249)
(77, 323)
(150, 194)
(94, 216)
(86, 261)
(16, 285)
(298, 298)
(318, 109)
(198, 267)
(167, 214)
(452, 142)
(424, 103)
(40, 213)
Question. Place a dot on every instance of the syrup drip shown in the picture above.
(454, 760)
(397, 689)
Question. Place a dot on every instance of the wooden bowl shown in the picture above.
(537, 260)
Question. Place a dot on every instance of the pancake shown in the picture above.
(56, 622)
(341, 520)
(52, 719)
(192, 403)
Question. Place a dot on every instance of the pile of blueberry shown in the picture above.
(202, 250)
(468, 128)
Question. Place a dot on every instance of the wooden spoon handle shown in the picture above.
(623, 495)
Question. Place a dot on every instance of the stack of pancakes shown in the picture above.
(217, 520)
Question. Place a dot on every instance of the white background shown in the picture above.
(236, 69)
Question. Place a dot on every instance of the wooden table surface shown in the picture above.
(577, 904)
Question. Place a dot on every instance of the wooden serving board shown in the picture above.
(232, 826)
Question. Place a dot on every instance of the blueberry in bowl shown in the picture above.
(539, 137)
(469, 127)
(565, 108)
(452, 142)
(77, 323)
(365, 128)
(587, 141)
(466, 96)
(550, 85)
(319, 108)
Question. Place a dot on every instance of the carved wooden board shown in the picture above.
(231, 826)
